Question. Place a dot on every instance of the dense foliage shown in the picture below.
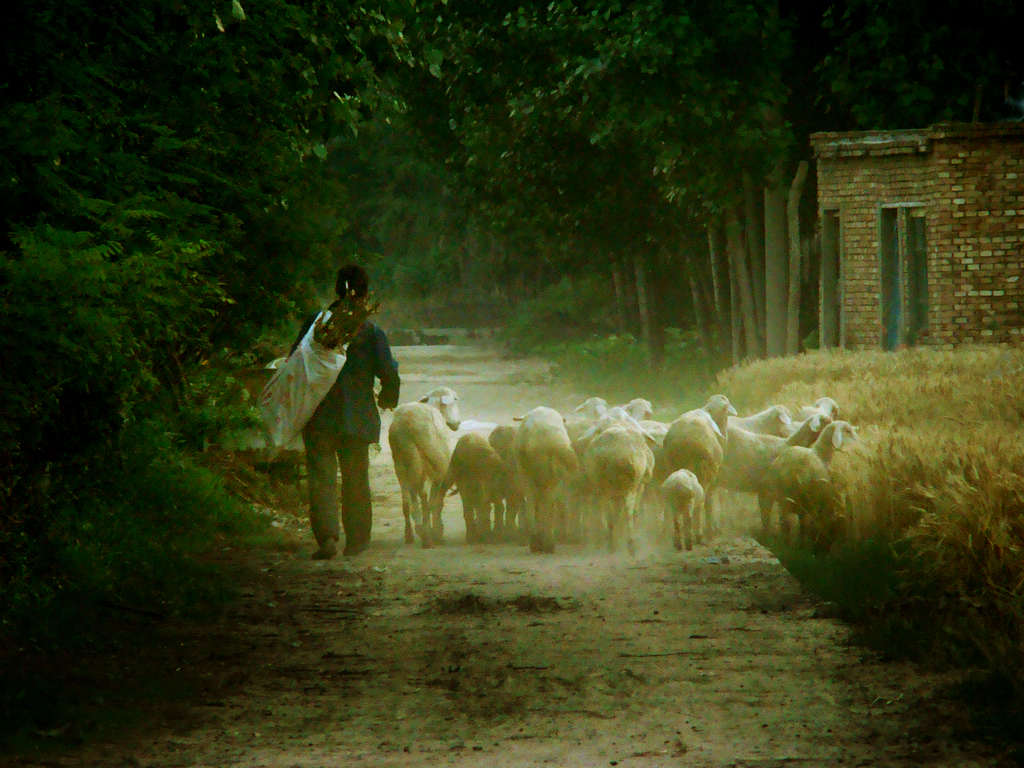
(162, 185)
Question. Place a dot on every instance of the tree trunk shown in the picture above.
(702, 311)
(718, 280)
(735, 320)
(643, 307)
(796, 190)
(738, 258)
(620, 298)
(753, 217)
(719, 289)
(775, 255)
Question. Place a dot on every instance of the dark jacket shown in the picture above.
(349, 409)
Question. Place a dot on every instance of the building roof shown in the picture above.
(837, 145)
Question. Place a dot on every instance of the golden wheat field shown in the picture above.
(939, 467)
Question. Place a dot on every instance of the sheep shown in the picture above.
(544, 460)
(591, 408)
(696, 441)
(773, 420)
(582, 433)
(656, 430)
(639, 408)
(479, 473)
(826, 406)
(683, 495)
(618, 463)
(501, 440)
(420, 449)
(800, 481)
(748, 456)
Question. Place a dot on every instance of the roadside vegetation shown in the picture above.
(932, 496)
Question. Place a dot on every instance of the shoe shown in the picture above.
(327, 550)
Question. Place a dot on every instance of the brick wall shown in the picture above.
(969, 181)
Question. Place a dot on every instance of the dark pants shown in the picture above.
(325, 453)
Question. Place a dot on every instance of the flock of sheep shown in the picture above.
(599, 471)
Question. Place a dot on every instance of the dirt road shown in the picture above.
(490, 656)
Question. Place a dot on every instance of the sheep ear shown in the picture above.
(784, 417)
(837, 438)
(732, 411)
(816, 422)
(519, 418)
(425, 399)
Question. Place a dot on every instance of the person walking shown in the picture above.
(339, 433)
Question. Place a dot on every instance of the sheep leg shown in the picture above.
(612, 516)
(482, 519)
(764, 504)
(407, 505)
(437, 492)
(688, 513)
(683, 518)
(421, 511)
(533, 522)
(467, 516)
(786, 509)
(543, 533)
(515, 523)
(562, 524)
(498, 528)
(699, 517)
(630, 513)
(710, 525)
(495, 510)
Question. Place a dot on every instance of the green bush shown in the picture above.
(570, 310)
(617, 368)
(131, 532)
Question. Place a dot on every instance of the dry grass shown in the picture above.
(939, 468)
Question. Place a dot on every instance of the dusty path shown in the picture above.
(491, 656)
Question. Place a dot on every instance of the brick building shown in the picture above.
(922, 235)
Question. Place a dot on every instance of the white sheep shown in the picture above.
(619, 463)
(683, 496)
(696, 441)
(773, 420)
(656, 430)
(419, 437)
(826, 406)
(748, 455)
(593, 427)
(800, 482)
(479, 473)
(591, 408)
(639, 408)
(544, 460)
